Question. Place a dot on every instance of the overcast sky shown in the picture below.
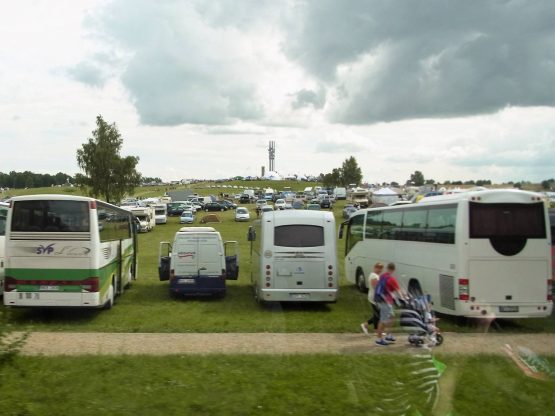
(455, 89)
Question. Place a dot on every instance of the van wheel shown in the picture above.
(361, 281)
(110, 302)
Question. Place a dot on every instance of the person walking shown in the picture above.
(386, 290)
(372, 282)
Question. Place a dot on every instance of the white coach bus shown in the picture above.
(294, 257)
(479, 254)
(67, 251)
(3, 217)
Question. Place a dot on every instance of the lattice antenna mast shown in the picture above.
(272, 155)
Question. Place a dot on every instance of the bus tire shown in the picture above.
(110, 302)
(361, 281)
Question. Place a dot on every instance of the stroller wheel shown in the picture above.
(439, 339)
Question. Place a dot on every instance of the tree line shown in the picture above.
(29, 179)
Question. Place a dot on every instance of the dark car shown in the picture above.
(325, 201)
(245, 199)
(215, 206)
(228, 204)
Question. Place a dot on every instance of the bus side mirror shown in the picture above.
(251, 235)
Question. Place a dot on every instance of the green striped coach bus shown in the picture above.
(67, 251)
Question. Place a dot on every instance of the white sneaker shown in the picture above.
(364, 328)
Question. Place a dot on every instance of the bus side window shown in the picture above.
(373, 224)
(392, 224)
(441, 225)
(414, 224)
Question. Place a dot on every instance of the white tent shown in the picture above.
(273, 176)
(384, 196)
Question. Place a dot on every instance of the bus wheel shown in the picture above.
(361, 281)
(110, 302)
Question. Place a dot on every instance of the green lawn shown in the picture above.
(277, 385)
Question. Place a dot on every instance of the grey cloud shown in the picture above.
(88, 73)
(398, 60)
(306, 98)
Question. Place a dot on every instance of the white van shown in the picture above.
(146, 217)
(294, 257)
(340, 193)
(198, 262)
(160, 213)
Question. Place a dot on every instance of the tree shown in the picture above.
(107, 174)
(350, 172)
(547, 184)
(417, 178)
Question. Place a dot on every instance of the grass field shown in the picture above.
(276, 385)
(147, 306)
(350, 384)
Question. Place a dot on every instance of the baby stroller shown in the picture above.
(418, 318)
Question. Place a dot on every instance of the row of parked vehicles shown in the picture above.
(294, 258)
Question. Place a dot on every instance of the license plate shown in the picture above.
(300, 296)
(48, 288)
(186, 281)
(508, 309)
(29, 296)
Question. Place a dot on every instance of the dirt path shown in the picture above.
(71, 343)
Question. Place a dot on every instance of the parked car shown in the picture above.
(261, 202)
(242, 214)
(348, 211)
(266, 208)
(245, 199)
(214, 206)
(279, 204)
(228, 204)
(325, 201)
(315, 207)
(187, 217)
(298, 204)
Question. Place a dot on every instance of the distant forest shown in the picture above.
(29, 179)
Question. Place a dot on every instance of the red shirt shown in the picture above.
(391, 286)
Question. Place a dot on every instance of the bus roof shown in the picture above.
(489, 195)
(49, 197)
(197, 230)
(290, 215)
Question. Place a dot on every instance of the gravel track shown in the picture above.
(73, 343)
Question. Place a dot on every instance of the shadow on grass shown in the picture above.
(523, 325)
(56, 316)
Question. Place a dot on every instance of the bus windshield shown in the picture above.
(298, 235)
(50, 216)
